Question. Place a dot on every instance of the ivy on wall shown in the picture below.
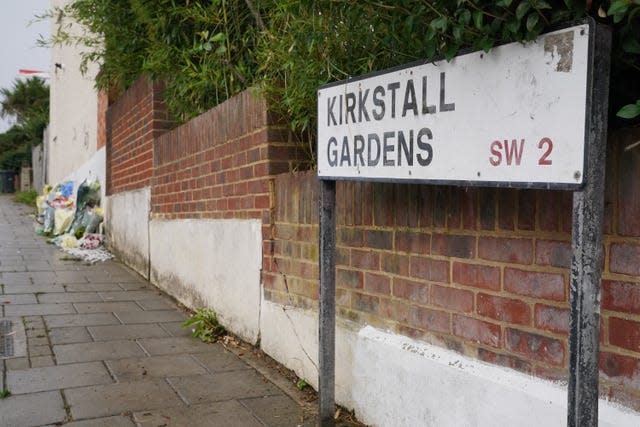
(207, 51)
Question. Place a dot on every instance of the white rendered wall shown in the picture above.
(93, 168)
(73, 110)
(391, 380)
(127, 227)
(212, 263)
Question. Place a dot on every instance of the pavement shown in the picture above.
(99, 346)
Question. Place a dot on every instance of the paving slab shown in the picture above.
(140, 368)
(223, 386)
(120, 332)
(68, 277)
(173, 345)
(38, 340)
(133, 286)
(90, 319)
(86, 352)
(118, 421)
(17, 363)
(42, 361)
(71, 335)
(92, 287)
(39, 350)
(69, 297)
(39, 266)
(220, 360)
(34, 409)
(15, 299)
(101, 276)
(17, 278)
(228, 414)
(157, 303)
(38, 309)
(12, 267)
(102, 307)
(114, 399)
(128, 295)
(57, 377)
(176, 329)
(42, 277)
(278, 411)
(27, 289)
(154, 316)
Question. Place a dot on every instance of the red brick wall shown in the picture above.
(222, 163)
(133, 121)
(481, 271)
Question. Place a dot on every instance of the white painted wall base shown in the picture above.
(394, 381)
(213, 263)
(127, 227)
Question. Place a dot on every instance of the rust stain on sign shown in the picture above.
(560, 47)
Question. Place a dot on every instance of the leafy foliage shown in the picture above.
(27, 101)
(204, 325)
(209, 50)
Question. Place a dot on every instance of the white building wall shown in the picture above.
(73, 110)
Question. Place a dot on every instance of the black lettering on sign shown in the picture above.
(358, 149)
(378, 93)
(443, 105)
(388, 148)
(404, 148)
(345, 152)
(426, 109)
(331, 102)
(393, 87)
(425, 146)
(362, 105)
(332, 153)
(350, 99)
(371, 161)
(410, 102)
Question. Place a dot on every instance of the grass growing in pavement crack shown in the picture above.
(204, 325)
(5, 393)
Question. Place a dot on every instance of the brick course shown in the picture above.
(133, 121)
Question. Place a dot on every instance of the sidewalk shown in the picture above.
(99, 346)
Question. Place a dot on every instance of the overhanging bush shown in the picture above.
(208, 51)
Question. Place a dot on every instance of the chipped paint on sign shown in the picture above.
(559, 47)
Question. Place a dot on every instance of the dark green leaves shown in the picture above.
(522, 9)
(629, 111)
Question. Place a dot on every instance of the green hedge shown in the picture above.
(207, 51)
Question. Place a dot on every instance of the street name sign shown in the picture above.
(512, 117)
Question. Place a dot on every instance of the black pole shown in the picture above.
(327, 323)
(586, 265)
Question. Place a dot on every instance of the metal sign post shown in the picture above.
(586, 264)
(519, 116)
(327, 324)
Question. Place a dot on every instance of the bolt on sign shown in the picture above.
(512, 117)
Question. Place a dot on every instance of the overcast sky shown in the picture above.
(18, 41)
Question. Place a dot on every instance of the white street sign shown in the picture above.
(512, 117)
